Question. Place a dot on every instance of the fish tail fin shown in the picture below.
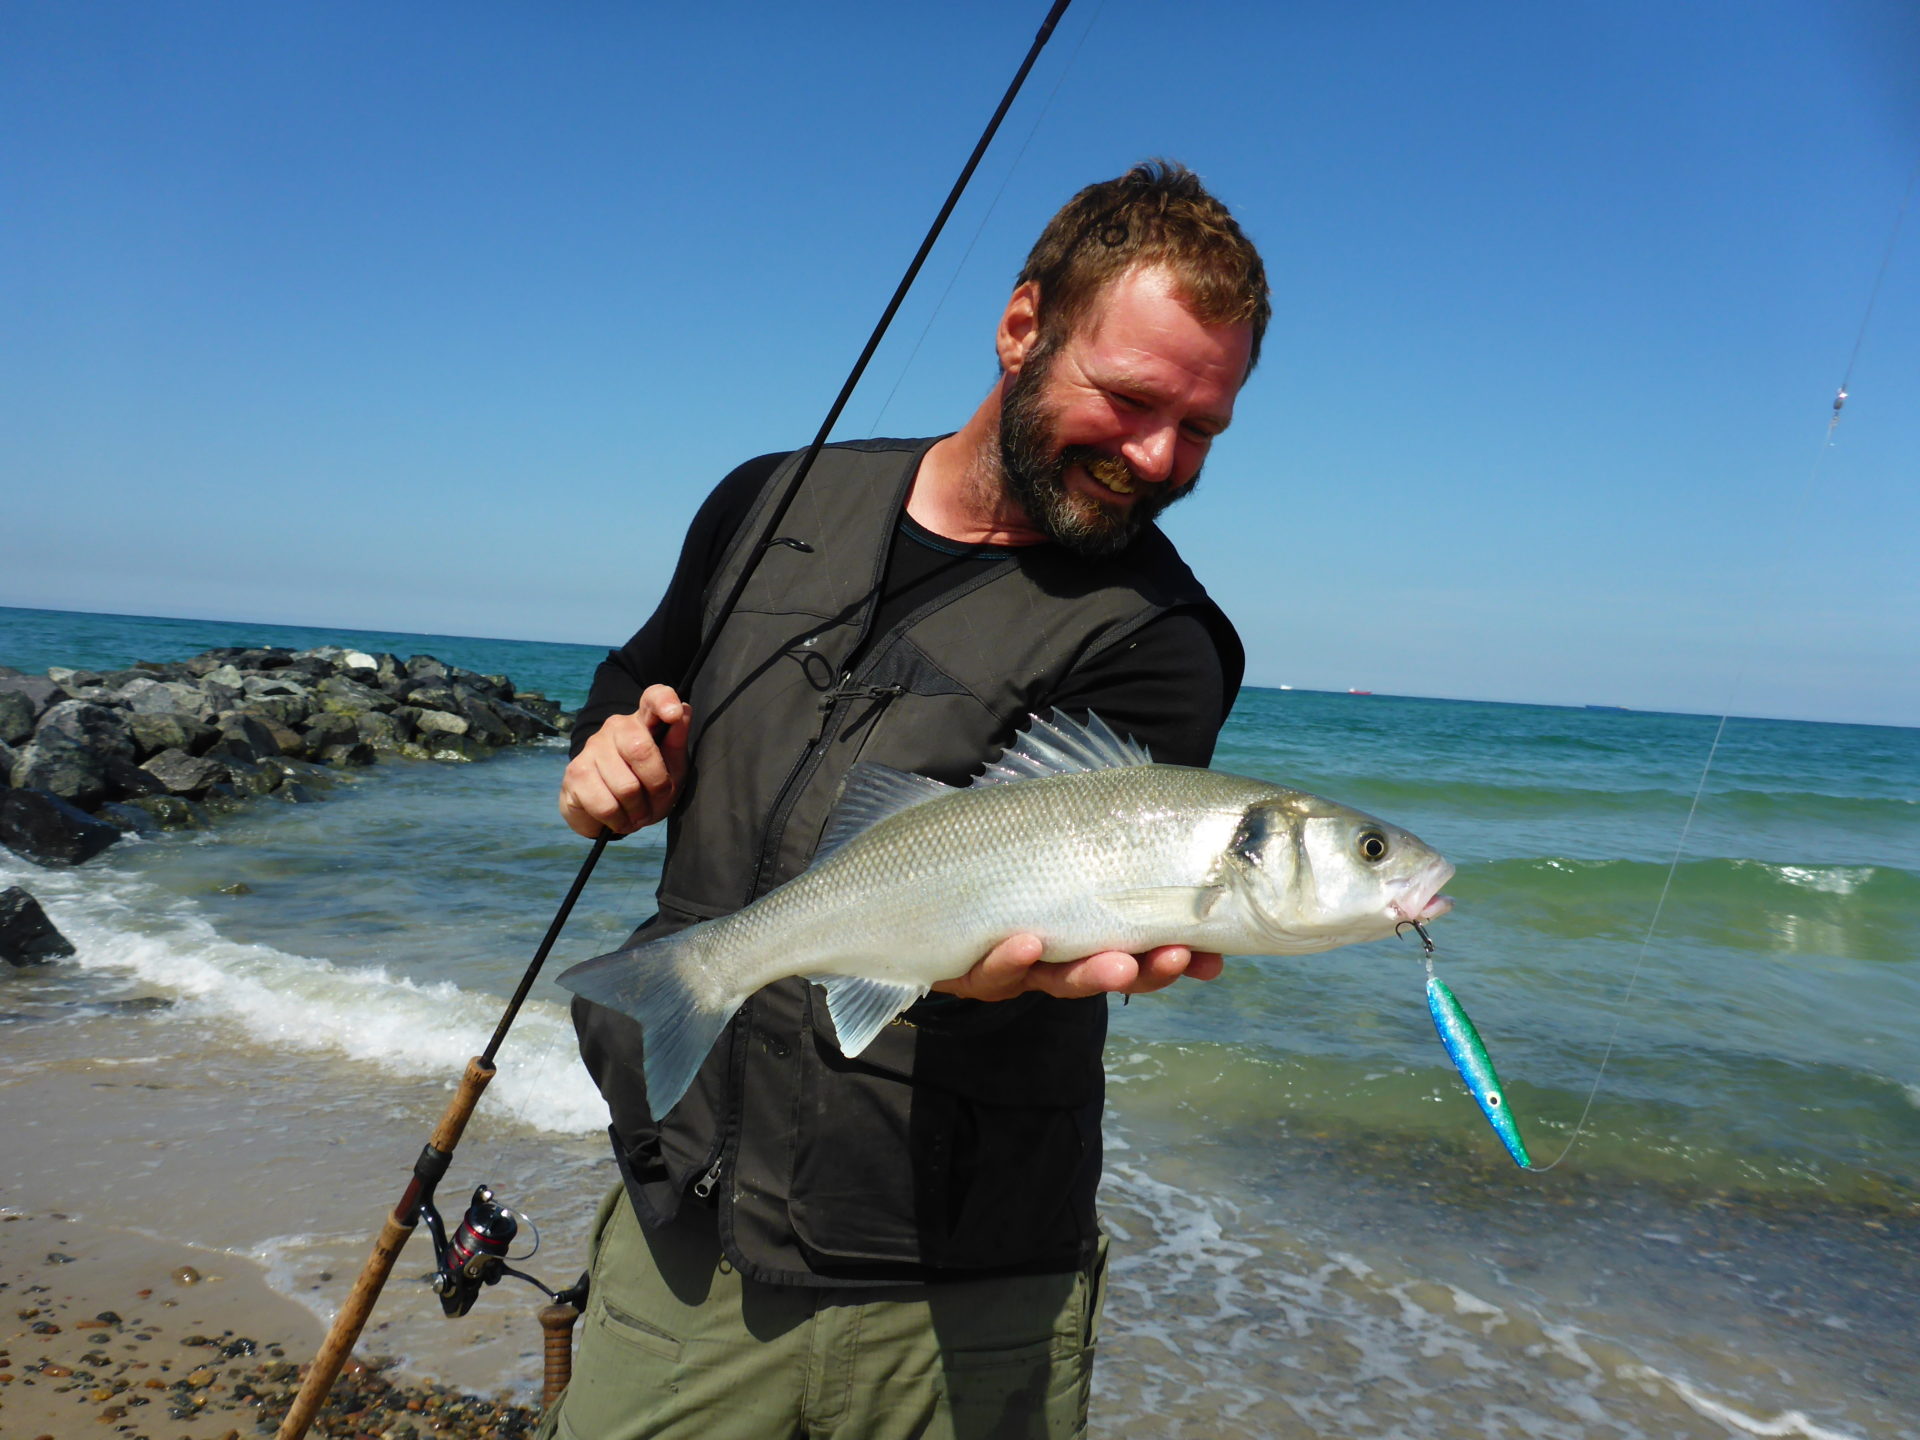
(651, 984)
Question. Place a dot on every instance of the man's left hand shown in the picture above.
(1014, 967)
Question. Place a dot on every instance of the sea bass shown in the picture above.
(1073, 835)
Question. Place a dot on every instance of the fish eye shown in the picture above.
(1373, 845)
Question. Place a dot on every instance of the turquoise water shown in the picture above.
(1316, 1233)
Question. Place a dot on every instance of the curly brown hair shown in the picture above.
(1158, 213)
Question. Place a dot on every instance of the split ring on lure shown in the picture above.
(1470, 1058)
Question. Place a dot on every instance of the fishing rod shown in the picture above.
(476, 1253)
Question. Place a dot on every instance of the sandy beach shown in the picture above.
(158, 1341)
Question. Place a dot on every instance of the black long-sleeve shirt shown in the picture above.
(1168, 685)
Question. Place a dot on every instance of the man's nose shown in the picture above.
(1150, 452)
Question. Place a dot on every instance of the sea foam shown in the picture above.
(122, 925)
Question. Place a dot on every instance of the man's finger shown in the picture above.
(1098, 974)
(673, 746)
(589, 805)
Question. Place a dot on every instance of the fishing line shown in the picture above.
(437, 1155)
(778, 511)
(1735, 686)
(621, 904)
(980, 229)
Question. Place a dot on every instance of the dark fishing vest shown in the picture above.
(966, 1139)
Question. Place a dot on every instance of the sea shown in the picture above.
(1706, 1013)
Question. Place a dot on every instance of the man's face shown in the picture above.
(1102, 430)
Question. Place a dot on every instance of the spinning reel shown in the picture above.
(476, 1254)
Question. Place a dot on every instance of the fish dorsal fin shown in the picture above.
(1063, 747)
(868, 795)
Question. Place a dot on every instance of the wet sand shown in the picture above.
(147, 1340)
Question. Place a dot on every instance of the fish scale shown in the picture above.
(1073, 835)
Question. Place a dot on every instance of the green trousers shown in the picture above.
(675, 1345)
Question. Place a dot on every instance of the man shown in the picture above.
(905, 1244)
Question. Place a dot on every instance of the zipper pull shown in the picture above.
(828, 699)
(703, 1187)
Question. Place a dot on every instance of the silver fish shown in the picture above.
(1073, 835)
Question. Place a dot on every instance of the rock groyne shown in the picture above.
(86, 757)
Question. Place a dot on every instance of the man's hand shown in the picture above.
(625, 777)
(1014, 967)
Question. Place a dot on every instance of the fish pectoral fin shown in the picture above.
(1161, 907)
(861, 1008)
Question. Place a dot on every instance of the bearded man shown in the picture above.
(904, 1244)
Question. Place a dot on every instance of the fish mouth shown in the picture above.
(1421, 900)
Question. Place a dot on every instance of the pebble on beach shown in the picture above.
(85, 1349)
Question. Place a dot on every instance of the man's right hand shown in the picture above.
(627, 775)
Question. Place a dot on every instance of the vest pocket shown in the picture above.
(887, 1171)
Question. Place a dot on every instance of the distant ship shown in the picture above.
(1621, 708)
(1359, 692)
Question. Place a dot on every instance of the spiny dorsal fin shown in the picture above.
(1063, 747)
(868, 795)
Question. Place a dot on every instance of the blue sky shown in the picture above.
(444, 317)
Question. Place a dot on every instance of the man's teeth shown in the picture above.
(1113, 474)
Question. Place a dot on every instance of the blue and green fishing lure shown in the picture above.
(1470, 1058)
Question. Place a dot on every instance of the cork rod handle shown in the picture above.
(353, 1313)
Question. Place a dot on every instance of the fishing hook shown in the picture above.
(1419, 929)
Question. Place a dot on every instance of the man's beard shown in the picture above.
(1035, 474)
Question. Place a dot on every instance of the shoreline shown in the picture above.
(159, 1340)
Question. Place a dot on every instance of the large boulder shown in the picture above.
(61, 768)
(222, 697)
(48, 831)
(27, 936)
(384, 732)
(285, 711)
(246, 737)
(343, 696)
(248, 777)
(87, 727)
(330, 728)
(171, 731)
(172, 697)
(299, 772)
(184, 774)
(17, 715)
(524, 724)
(434, 695)
(41, 693)
(433, 722)
(535, 703)
(483, 724)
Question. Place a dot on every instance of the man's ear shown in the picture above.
(1019, 330)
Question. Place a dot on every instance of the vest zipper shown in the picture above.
(703, 1187)
(834, 705)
